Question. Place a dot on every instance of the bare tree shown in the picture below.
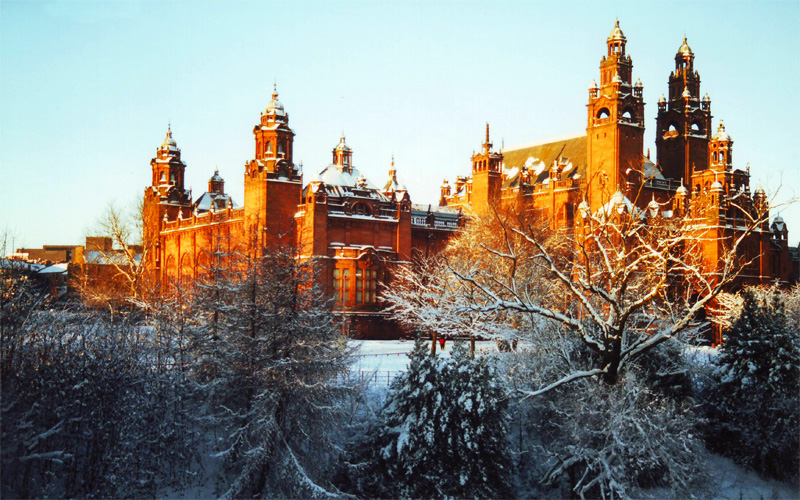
(117, 275)
(623, 279)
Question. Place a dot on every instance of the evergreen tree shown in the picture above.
(754, 408)
(441, 433)
(274, 361)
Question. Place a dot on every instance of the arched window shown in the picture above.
(696, 129)
(361, 209)
(714, 156)
(187, 270)
(627, 115)
(603, 113)
(172, 178)
(163, 177)
(171, 269)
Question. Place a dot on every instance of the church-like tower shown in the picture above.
(487, 177)
(615, 125)
(683, 124)
(166, 198)
(272, 183)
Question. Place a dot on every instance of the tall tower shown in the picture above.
(683, 124)
(615, 125)
(486, 178)
(272, 183)
(165, 197)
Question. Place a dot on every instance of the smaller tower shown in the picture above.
(216, 184)
(392, 184)
(486, 178)
(445, 193)
(720, 150)
(167, 167)
(343, 157)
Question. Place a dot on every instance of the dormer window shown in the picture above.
(361, 209)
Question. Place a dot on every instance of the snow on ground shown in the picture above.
(733, 482)
(382, 360)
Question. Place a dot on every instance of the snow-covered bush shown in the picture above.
(441, 433)
(596, 440)
(754, 400)
(86, 414)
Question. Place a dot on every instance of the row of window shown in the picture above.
(366, 285)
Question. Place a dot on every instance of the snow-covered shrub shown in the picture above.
(754, 400)
(597, 440)
(86, 414)
(441, 433)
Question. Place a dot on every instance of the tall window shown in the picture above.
(366, 285)
(341, 285)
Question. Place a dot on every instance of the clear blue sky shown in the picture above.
(87, 89)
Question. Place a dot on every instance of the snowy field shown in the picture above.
(382, 360)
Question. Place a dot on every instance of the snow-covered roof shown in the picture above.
(721, 135)
(342, 146)
(616, 33)
(20, 265)
(393, 185)
(55, 269)
(684, 49)
(275, 107)
(619, 203)
(332, 176)
(220, 201)
(651, 171)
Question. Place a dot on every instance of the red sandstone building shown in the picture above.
(694, 171)
(360, 230)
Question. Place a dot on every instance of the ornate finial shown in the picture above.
(275, 90)
(721, 126)
(169, 129)
(487, 132)
(748, 168)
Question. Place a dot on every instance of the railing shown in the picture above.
(378, 378)
(670, 184)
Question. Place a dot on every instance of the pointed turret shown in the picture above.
(683, 121)
(615, 122)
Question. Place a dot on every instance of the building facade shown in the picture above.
(693, 174)
(359, 231)
(356, 230)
